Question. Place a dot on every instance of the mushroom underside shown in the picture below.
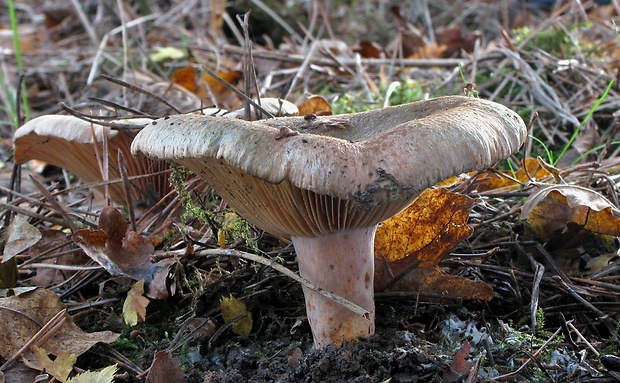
(84, 160)
(285, 210)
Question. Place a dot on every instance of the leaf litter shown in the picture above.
(543, 238)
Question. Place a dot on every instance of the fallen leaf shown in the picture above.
(550, 210)
(228, 226)
(55, 239)
(134, 307)
(578, 226)
(235, 310)
(316, 105)
(21, 236)
(165, 369)
(105, 375)
(166, 53)
(23, 316)
(455, 40)
(435, 223)
(505, 180)
(124, 252)
(460, 367)
(59, 368)
(208, 88)
(185, 77)
(371, 49)
(410, 245)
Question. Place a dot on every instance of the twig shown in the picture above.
(276, 266)
(237, 92)
(298, 58)
(512, 375)
(140, 90)
(28, 213)
(54, 204)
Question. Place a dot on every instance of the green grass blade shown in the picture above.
(590, 113)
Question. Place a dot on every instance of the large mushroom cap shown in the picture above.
(69, 142)
(339, 172)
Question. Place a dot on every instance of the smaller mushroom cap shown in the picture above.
(335, 172)
(68, 142)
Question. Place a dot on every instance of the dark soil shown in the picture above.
(396, 355)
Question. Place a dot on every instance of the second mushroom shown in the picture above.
(328, 182)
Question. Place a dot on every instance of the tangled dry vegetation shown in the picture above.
(515, 279)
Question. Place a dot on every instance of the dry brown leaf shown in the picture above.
(20, 236)
(165, 369)
(316, 105)
(112, 248)
(533, 170)
(553, 210)
(455, 40)
(440, 285)
(46, 277)
(8, 273)
(370, 49)
(24, 315)
(573, 222)
(459, 367)
(124, 252)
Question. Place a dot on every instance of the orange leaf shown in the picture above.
(532, 171)
(316, 105)
(124, 252)
(186, 77)
(209, 87)
(370, 49)
(411, 244)
(433, 225)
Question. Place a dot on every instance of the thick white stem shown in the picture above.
(343, 264)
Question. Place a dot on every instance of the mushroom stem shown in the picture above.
(343, 264)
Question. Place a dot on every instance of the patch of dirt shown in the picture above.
(396, 355)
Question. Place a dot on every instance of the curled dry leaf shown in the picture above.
(485, 181)
(25, 314)
(552, 210)
(419, 238)
(124, 252)
(578, 226)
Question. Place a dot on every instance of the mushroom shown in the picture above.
(329, 182)
(68, 142)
